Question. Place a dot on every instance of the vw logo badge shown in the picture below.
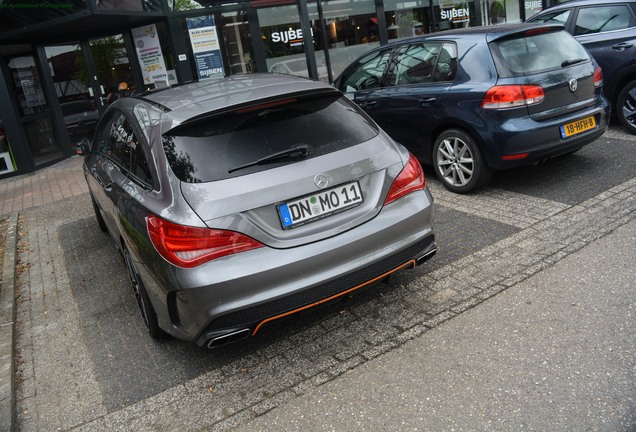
(573, 85)
(321, 181)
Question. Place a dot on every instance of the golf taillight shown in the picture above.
(410, 179)
(512, 96)
(598, 77)
(187, 246)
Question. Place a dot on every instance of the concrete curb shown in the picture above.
(7, 326)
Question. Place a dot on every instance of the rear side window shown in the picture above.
(555, 17)
(125, 149)
(414, 64)
(536, 52)
(423, 63)
(367, 73)
(231, 145)
(600, 19)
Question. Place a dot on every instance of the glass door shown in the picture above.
(33, 110)
(283, 41)
(74, 93)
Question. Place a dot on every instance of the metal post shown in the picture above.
(133, 60)
(257, 42)
(181, 67)
(325, 42)
(305, 25)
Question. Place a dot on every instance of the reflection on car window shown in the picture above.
(414, 64)
(125, 149)
(446, 66)
(539, 52)
(602, 19)
(556, 17)
(209, 149)
(100, 145)
(368, 72)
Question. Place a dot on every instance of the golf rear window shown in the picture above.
(532, 52)
(216, 147)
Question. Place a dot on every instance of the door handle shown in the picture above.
(370, 103)
(427, 101)
(106, 186)
(622, 46)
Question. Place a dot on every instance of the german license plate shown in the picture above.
(319, 205)
(577, 127)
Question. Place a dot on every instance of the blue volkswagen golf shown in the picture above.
(475, 100)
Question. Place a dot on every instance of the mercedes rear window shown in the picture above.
(256, 138)
(537, 51)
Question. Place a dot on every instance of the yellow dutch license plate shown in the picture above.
(578, 126)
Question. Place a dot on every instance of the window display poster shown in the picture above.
(149, 53)
(205, 47)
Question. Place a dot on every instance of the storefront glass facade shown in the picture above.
(53, 88)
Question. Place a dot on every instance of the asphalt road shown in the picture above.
(84, 361)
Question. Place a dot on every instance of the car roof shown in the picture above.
(187, 101)
(490, 33)
(575, 3)
(589, 2)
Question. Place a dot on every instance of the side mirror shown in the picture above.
(84, 146)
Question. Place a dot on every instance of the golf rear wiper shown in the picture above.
(574, 61)
(292, 153)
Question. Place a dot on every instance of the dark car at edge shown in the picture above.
(607, 28)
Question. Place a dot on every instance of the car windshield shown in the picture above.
(537, 52)
(213, 148)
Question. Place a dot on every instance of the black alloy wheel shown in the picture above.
(626, 106)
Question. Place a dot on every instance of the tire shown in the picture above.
(148, 313)
(626, 107)
(459, 163)
(98, 215)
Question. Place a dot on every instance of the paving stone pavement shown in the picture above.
(63, 180)
(83, 362)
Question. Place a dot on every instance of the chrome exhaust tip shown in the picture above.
(228, 338)
(428, 255)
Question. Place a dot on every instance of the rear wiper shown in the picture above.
(574, 61)
(294, 152)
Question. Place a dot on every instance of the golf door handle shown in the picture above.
(622, 46)
(427, 101)
(106, 186)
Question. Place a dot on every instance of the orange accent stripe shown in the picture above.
(382, 276)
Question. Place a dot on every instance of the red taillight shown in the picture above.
(598, 77)
(188, 247)
(512, 96)
(410, 179)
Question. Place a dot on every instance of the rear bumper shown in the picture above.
(253, 318)
(541, 140)
(244, 291)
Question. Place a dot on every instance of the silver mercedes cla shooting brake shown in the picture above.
(242, 200)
